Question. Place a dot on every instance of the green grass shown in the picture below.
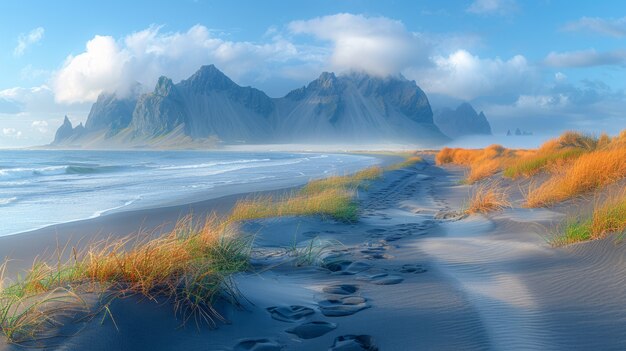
(534, 164)
(607, 218)
(409, 161)
(573, 231)
(329, 197)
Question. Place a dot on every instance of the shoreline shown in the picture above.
(23, 248)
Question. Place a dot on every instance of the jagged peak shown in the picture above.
(208, 77)
(363, 75)
(466, 107)
(164, 86)
(66, 121)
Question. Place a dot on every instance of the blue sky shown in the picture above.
(542, 65)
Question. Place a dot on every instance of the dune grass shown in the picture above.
(409, 161)
(608, 217)
(189, 266)
(588, 172)
(335, 203)
(573, 164)
(487, 197)
(533, 164)
(331, 197)
(342, 182)
(482, 163)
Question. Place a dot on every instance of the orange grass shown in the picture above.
(487, 197)
(588, 172)
(189, 266)
(482, 163)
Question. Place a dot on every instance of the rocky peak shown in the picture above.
(164, 86)
(64, 132)
(208, 78)
(462, 121)
(326, 84)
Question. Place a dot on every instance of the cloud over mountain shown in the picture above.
(110, 65)
(376, 45)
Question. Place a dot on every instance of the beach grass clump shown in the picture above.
(482, 163)
(608, 217)
(337, 203)
(487, 197)
(554, 154)
(574, 231)
(189, 266)
(533, 164)
(328, 197)
(342, 182)
(588, 172)
(410, 159)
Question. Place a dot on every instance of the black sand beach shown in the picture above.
(398, 279)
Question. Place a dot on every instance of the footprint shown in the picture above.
(260, 344)
(382, 279)
(354, 343)
(413, 268)
(345, 267)
(342, 306)
(312, 329)
(375, 250)
(341, 289)
(290, 314)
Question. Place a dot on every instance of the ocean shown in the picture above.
(42, 188)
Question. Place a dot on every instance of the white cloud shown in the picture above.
(492, 7)
(28, 39)
(114, 66)
(377, 45)
(586, 58)
(41, 126)
(12, 133)
(466, 76)
(614, 27)
(560, 77)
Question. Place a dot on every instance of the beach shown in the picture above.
(405, 276)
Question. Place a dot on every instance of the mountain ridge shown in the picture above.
(354, 107)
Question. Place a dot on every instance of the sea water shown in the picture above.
(41, 188)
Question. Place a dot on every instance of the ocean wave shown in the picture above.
(213, 164)
(8, 200)
(20, 173)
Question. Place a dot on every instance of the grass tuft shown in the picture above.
(487, 197)
(608, 217)
(409, 161)
(191, 266)
(330, 197)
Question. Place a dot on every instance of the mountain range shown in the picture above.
(209, 107)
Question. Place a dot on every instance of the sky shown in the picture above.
(544, 66)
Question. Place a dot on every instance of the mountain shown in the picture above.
(67, 134)
(209, 106)
(462, 121)
(208, 103)
(357, 108)
(110, 113)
